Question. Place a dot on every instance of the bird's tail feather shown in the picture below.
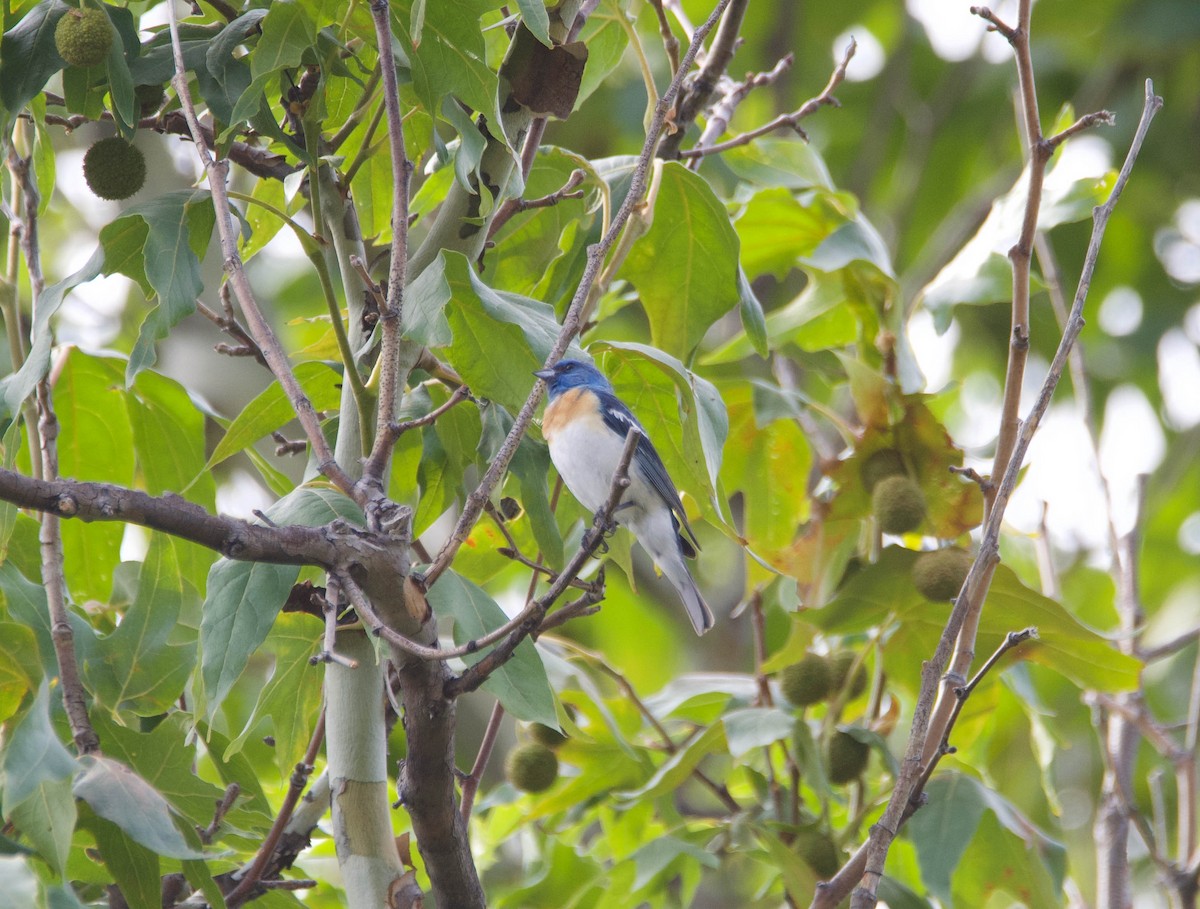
(681, 579)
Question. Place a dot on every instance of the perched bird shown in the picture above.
(585, 426)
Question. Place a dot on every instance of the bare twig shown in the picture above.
(596, 254)
(720, 115)
(698, 91)
(394, 431)
(224, 804)
(516, 206)
(260, 328)
(470, 785)
(884, 831)
(392, 313)
(251, 878)
(50, 533)
(784, 121)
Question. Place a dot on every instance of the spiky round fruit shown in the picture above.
(840, 665)
(807, 681)
(83, 37)
(939, 575)
(882, 464)
(845, 758)
(149, 98)
(898, 504)
(114, 169)
(531, 767)
(819, 852)
(544, 735)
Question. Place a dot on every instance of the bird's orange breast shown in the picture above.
(566, 408)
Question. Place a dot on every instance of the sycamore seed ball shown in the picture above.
(531, 767)
(83, 37)
(819, 852)
(898, 505)
(114, 169)
(840, 665)
(882, 464)
(807, 681)
(544, 735)
(845, 758)
(939, 575)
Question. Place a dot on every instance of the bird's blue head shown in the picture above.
(567, 374)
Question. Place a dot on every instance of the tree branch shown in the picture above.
(790, 121)
(975, 586)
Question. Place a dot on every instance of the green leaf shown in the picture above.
(287, 32)
(47, 819)
(20, 670)
(26, 604)
(33, 755)
(679, 766)
(134, 868)
(28, 57)
(756, 727)
(520, 684)
(799, 880)
(606, 42)
(95, 442)
(20, 385)
(135, 668)
(271, 409)
(661, 853)
(120, 81)
(754, 322)
(453, 308)
(980, 273)
(778, 227)
(685, 266)
(244, 597)
(885, 589)
(447, 55)
(536, 19)
(178, 226)
(165, 760)
(119, 795)
(292, 697)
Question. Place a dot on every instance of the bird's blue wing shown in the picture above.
(619, 418)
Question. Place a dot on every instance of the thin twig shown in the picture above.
(223, 806)
(470, 785)
(784, 121)
(516, 206)
(473, 506)
(394, 431)
(720, 115)
(392, 313)
(884, 831)
(50, 533)
(260, 328)
(251, 878)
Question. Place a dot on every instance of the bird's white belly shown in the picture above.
(586, 457)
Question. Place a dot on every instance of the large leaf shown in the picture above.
(244, 597)
(685, 267)
(95, 442)
(520, 684)
(32, 754)
(135, 668)
(292, 697)
(28, 58)
(450, 306)
(118, 794)
(271, 409)
(885, 589)
(173, 230)
(447, 55)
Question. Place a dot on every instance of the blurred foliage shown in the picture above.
(758, 326)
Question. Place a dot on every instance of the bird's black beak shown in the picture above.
(546, 374)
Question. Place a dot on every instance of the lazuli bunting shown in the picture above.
(585, 426)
